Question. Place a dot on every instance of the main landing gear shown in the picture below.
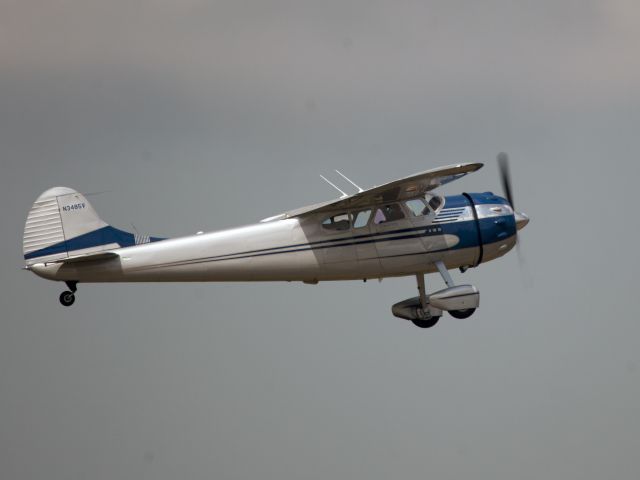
(466, 313)
(424, 311)
(68, 296)
(426, 323)
(424, 316)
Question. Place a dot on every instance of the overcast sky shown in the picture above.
(197, 115)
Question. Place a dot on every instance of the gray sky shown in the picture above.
(202, 115)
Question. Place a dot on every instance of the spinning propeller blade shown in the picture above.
(521, 218)
(505, 177)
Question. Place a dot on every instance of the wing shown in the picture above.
(405, 188)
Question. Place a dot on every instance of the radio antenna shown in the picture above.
(89, 194)
(350, 181)
(334, 186)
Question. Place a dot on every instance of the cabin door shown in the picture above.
(398, 243)
(364, 243)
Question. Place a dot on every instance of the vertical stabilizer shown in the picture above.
(62, 223)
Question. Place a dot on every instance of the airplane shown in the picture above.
(397, 229)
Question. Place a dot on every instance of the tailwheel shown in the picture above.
(67, 298)
(466, 313)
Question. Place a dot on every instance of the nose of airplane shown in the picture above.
(522, 219)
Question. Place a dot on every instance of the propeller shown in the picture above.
(505, 177)
(521, 218)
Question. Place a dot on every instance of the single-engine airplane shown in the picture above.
(396, 229)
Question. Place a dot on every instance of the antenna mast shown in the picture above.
(334, 186)
(348, 180)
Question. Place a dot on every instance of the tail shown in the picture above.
(62, 224)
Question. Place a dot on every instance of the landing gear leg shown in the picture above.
(422, 291)
(423, 319)
(68, 297)
(444, 273)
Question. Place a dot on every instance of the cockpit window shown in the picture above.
(418, 207)
(388, 213)
(337, 222)
(435, 202)
(361, 218)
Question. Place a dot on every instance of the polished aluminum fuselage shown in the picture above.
(300, 249)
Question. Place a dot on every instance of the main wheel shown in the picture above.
(426, 323)
(67, 298)
(466, 313)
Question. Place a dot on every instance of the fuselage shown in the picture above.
(464, 231)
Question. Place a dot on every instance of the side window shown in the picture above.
(337, 222)
(388, 213)
(361, 218)
(417, 207)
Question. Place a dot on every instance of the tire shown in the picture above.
(67, 298)
(466, 313)
(426, 323)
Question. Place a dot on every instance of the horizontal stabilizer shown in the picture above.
(88, 257)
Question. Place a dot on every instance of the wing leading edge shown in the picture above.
(405, 188)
